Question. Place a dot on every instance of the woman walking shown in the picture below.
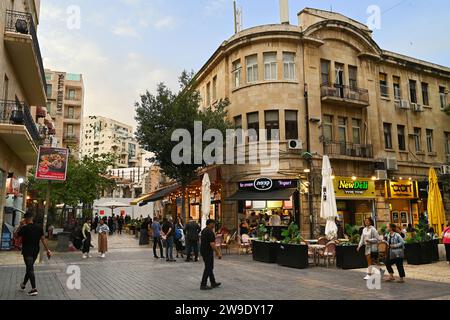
(370, 239)
(446, 241)
(179, 238)
(143, 238)
(86, 233)
(396, 254)
(102, 231)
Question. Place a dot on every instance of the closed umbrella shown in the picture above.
(206, 199)
(328, 209)
(436, 214)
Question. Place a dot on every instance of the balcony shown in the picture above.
(71, 118)
(70, 138)
(345, 95)
(18, 130)
(346, 150)
(22, 44)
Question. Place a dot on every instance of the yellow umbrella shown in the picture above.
(436, 214)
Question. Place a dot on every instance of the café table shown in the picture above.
(316, 248)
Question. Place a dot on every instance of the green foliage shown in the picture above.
(292, 235)
(383, 229)
(159, 115)
(353, 234)
(262, 232)
(421, 234)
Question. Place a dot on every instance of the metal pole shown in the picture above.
(44, 222)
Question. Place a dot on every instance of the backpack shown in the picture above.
(178, 234)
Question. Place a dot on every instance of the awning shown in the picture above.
(275, 195)
(155, 196)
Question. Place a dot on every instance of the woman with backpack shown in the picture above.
(396, 254)
(446, 241)
(179, 238)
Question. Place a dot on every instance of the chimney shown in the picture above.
(284, 11)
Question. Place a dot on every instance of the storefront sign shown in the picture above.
(361, 188)
(404, 189)
(52, 164)
(263, 184)
(266, 184)
(60, 97)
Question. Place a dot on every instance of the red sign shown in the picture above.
(102, 212)
(52, 164)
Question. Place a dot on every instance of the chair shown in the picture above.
(328, 253)
(322, 241)
(383, 250)
(226, 244)
(245, 243)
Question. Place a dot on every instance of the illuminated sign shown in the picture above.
(263, 184)
(403, 189)
(361, 188)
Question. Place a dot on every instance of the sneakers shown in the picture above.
(22, 287)
(156, 257)
(84, 256)
(216, 285)
(33, 293)
(103, 256)
(367, 277)
(205, 288)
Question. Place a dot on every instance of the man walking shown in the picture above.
(156, 227)
(31, 235)
(167, 232)
(207, 248)
(192, 231)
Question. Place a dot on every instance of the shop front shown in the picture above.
(355, 200)
(403, 199)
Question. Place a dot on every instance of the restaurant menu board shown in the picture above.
(52, 164)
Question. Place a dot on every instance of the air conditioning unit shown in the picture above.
(416, 107)
(381, 174)
(404, 104)
(295, 144)
(445, 170)
(391, 164)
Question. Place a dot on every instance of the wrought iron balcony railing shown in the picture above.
(336, 148)
(345, 92)
(22, 23)
(18, 113)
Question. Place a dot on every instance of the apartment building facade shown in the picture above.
(65, 104)
(103, 135)
(22, 83)
(329, 89)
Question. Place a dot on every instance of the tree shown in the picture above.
(159, 115)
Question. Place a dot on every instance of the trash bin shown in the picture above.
(63, 242)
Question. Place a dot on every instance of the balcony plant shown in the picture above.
(347, 257)
(265, 249)
(292, 253)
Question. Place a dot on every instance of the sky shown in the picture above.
(125, 47)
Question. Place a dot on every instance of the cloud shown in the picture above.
(165, 23)
(124, 28)
(214, 6)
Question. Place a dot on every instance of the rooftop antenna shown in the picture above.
(237, 18)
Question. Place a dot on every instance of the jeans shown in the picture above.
(447, 251)
(157, 241)
(191, 245)
(169, 248)
(208, 272)
(398, 263)
(86, 244)
(29, 275)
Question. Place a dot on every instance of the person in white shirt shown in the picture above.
(370, 239)
(275, 220)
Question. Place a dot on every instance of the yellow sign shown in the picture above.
(345, 187)
(403, 189)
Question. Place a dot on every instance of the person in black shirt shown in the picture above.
(167, 232)
(207, 249)
(192, 229)
(31, 235)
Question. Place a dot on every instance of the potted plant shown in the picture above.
(347, 257)
(264, 249)
(291, 252)
(420, 248)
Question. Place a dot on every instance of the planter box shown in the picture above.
(265, 251)
(435, 250)
(348, 258)
(293, 256)
(419, 253)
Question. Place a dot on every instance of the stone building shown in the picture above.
(331, 90)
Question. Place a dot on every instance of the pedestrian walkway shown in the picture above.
(130, 272)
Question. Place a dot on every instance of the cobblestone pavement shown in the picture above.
(132, 273)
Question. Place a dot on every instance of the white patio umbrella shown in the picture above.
(113, 205)
(328, 209)
(206, 199)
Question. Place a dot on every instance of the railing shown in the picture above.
(70, 137)
(18, 113)
(21, 22)
(344, 92)
(348, 149)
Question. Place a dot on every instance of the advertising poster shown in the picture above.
(52, 164)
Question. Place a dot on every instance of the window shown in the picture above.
(70, 113)
(71, 94)
(253, 123)
(384, 89)
(288, 65)
(49, 91)
(342, 129)
(291, 124)
(208, 94)
(443, 97)
(425, 98)
(339, 76)
(69, 130)
(237, 70)
(353, 77)
(238, 122)
(325, 71)
(356, 131)
(327, 127)
(413, 91)
(252, 68)
(48, 77)
(401, 138)
(387, 135)
(417, 138)
(447, 143)
(272, 123)
(397, 89)
(49, 107)
(429, 140)
(270, 66)
(214, 89)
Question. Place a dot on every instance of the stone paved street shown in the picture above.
(132, 273)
